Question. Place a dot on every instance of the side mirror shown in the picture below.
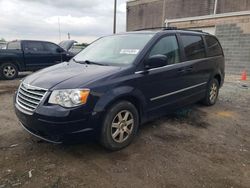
(59, 50)
(156, 61)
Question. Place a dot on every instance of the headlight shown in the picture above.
(69, 97)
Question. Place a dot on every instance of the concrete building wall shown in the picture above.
(144, 15)
(236, 44)
(187, 8)
(233, 5)
(152, 13)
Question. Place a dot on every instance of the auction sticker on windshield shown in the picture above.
(129, 51)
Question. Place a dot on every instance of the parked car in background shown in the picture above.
(28, 55)
(119, 82)
(72, 46)
(3, 45)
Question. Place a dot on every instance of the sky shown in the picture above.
(85, 20)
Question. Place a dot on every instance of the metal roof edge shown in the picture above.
(212, 16)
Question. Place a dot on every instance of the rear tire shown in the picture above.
(211, 93)
(120, 126)
(8, 71)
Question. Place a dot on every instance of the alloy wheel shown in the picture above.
(122, 126)
(9, 71)
(213, 92)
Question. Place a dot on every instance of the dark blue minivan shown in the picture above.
(119, 82)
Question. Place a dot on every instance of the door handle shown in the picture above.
(181, 70)
(189, 69)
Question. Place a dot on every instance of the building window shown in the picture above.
(193, 46)
(167, 46)
(213, 46)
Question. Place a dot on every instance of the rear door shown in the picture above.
(35, 55)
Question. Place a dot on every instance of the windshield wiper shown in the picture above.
(89, 62)
(95, 63)
(81, 62)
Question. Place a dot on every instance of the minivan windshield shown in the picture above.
(116, 50)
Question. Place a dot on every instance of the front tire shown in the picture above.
(8, 71)
(120, 126)
(212, 93)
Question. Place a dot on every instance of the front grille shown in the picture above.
(29, 97)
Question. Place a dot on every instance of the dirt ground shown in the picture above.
(195, 147)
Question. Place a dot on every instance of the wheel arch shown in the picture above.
(122, 94)
(4, 61)
(218, 78)
(130, 98)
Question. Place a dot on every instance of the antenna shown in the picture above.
(114, 24)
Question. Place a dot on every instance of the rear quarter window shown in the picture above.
(14, 45)
(194, 47)
(213, 46)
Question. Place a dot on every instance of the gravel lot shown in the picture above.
(195, 147)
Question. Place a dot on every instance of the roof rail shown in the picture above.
(152, 28)
(170, 28)
(195, 30)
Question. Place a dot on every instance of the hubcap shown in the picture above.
(213, 93)
(9, 71)
(122, 126)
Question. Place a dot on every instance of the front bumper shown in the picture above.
(41, 137)
(55, 124)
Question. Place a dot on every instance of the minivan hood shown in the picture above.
(69, 75)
